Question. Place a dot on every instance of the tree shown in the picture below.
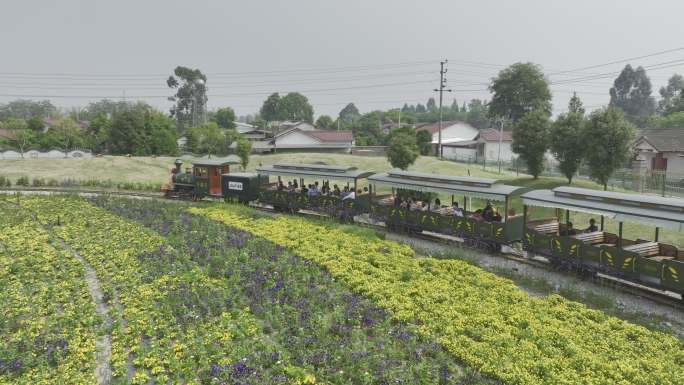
(27, 109)
(295, 106)
(424, 142)
(141, 130)
(454, 106)
(243, 148)
(609, 146)
(575, 104)
(631, 92)
(325, 122)
(567, 142)
(22, 140)
(349, 114)
(671, 95)
(97, 133)
(14, 124)
(673, 120)
(190, 97)
(518, 90)
(270, 110)
(431, 105)
(402, 150)
(64, 134)
(206, 139)
(225, 117)
(531, 140)
(477, 115)
(105, 107)
(406, 108)
(36, 124)
(420, 108)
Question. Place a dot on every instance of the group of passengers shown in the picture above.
(488, 213)
(314, 189)
(570, 230)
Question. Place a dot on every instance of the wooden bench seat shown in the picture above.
(593, 238)
(660, 258)
(547, 228)
(646, 249)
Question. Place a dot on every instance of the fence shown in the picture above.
(52, 154)
(653, 182)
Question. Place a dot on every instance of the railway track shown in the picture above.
(657, 296)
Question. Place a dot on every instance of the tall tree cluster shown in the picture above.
(293, 106)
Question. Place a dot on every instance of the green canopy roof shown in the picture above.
(461, 185)
(646, 209)
(217, 162)
(314, 170)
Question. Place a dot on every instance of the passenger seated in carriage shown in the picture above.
(281, 186)
(569, 230)
(592, 226)
(488, 212)
(336, 190)
(455, 210)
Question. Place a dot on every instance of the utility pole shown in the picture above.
(441, 89)
(501, 123)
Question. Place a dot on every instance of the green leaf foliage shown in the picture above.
(531, 140)
(567, 142)
(631, 92)
(225, 117)
(402, 150)
(424, 142)
(324, 122)
(518, 90)
(608, 147)
(243, 149)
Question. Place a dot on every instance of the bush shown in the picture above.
(23, 181)
(5, 182)
(38, 182)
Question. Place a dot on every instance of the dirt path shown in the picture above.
(103, 371)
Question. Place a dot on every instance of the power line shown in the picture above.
(620, 61)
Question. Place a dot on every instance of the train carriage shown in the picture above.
(647, 261)
(507, 231)
(325, 204)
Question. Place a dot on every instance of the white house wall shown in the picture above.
(491, 151)
(675, 165)
(456, 131)
(459, 153)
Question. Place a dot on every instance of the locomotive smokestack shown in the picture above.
(178, 164)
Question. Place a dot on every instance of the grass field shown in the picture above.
(156, 170)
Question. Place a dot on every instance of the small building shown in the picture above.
(291, 125)
(484, 146)
(452, 131)
(661, 150)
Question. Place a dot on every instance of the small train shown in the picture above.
(647, 262)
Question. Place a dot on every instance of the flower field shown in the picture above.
(483, 320)
(47, 319)
(221, 294)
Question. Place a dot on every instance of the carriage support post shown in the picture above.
(657, 231)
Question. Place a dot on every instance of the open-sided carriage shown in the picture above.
(646, 261)
(294, 201)
(473, 230)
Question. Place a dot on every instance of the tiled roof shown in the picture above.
(492, 135)
(665, 140)
(331, 136)
(6, 133)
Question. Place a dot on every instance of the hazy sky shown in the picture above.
(375, 53)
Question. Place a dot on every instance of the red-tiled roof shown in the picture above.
(6, 133)
(664, 140)
(492, 135)
(331, 136)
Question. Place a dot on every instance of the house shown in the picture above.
(484, 146)
(241, 127)
(298, 138)
(452, 131)
(661, 150)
